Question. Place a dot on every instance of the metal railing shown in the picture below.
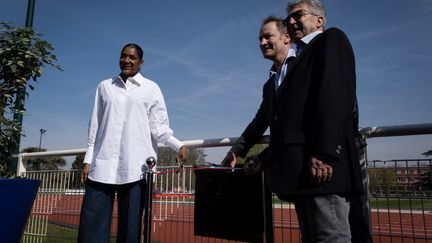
(401, 199)
(55, 213)
(399, 211)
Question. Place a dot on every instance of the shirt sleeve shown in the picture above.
(159, 123)
(174, 143)
(92, 130)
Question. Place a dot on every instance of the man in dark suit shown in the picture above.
(312, 158)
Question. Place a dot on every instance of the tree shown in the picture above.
(78, 163)
(255, 150)
(382, 181)
(42, 163)
(427, 153)
(426, 180)
(178, 182)
(167, 156)
(23, 55)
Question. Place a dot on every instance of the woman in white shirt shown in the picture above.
(129, 118)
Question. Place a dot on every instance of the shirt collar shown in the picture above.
(137, 80)
(310, 36)
(298, 47)
(291, 53)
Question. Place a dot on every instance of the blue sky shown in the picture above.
(205, 57)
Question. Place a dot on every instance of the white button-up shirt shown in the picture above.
(306, 39)
(127, 122)
(279, 77)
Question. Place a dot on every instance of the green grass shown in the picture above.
(392, 203)
(61, 234)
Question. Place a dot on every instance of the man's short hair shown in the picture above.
(280, 24)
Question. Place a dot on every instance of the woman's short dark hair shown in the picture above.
(136, 47)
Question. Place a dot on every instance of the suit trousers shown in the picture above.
(323, 218)
(97, 208)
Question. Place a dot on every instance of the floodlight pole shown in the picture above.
(20, 95)
(42, 132)
(30, 13)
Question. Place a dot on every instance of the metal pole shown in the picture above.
(366, 210)
(20, 95)
(398, 130)
(42, 132)
(268, 212)
(151, 162)
(30, 13)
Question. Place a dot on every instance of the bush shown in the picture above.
(23, 55)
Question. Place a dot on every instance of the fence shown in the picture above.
(400, 201)
(399, 213)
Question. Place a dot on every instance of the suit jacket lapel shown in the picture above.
(291, 66)
(271, 95)
(294, 62)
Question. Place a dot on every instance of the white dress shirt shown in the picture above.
(279, 77)
(127, 122)
(306, 39)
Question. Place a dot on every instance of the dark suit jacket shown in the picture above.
(311, 114)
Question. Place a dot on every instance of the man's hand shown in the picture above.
(84, 173)
(182, 155)
(253, 165)
(229, 160)
(320, 171)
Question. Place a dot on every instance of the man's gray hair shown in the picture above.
(316, 7)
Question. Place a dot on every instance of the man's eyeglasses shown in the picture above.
(297, 15)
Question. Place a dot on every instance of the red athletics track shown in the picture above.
(173, 221)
